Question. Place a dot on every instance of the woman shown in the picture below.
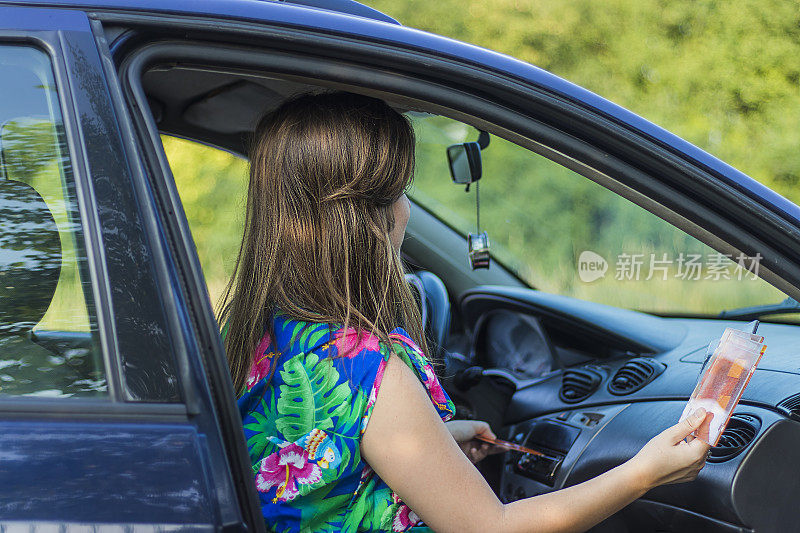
(344, 417)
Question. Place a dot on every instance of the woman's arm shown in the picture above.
(410, 448)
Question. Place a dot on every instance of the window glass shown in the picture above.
(560, 232)
(212, 185)
(565, 234)
(48, 332)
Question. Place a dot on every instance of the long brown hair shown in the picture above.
(325, 170)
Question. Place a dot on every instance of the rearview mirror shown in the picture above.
(465, 162)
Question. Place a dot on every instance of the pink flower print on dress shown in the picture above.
(405, 340)
(349, 343)
(261, 362)
(431, 382)
(404, 518)
(287, 468)
(373, 395)
(435, 388)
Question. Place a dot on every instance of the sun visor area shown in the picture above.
(234, 108)
(221, 107)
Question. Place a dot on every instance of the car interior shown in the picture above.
(584, 383)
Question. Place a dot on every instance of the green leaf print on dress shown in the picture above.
(259, 445)
(309, 396)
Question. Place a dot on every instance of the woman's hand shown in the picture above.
(464, 433)
(668, 458)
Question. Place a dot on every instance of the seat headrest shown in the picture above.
(30, 257)
(434, 303)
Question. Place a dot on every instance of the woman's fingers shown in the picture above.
(496, 449)
(475, 454)
(667, 458)
(682, 429)
(482, 428)
(701, 450)
(478, 450)
(466, 430)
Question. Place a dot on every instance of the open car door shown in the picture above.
(106, 410)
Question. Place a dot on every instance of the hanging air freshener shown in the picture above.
(465, 169)
(478, 243)
(478, 250)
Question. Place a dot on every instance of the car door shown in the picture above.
(106, 417)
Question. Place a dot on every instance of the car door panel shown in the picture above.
(148, 452)
(96, 472)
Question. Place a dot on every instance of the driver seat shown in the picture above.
(30, 265)
(434, 303)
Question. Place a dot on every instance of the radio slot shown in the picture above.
(553, 439)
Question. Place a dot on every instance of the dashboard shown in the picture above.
(591, 384)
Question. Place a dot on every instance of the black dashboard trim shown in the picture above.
(622, 329)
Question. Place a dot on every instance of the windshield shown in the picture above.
(565, 234)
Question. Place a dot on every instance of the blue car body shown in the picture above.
(174, 461)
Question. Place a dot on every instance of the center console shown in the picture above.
(560, 438)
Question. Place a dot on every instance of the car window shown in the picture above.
(557, 230)
(212, 185)
(48, 332)
(565, 234)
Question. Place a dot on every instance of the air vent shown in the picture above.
(741, 431)
(634, 375)
(791, 406)
(577, 384)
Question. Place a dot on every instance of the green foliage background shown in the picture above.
(721, 75)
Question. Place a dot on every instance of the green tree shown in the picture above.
(723, 75)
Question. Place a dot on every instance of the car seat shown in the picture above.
(434, 305)
(30, 265)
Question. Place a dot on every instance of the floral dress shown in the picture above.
(304, 427)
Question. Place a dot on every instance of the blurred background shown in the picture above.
(723, 75)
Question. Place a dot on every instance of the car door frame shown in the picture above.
(199, 329)
(26, 27)
(65, 35)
